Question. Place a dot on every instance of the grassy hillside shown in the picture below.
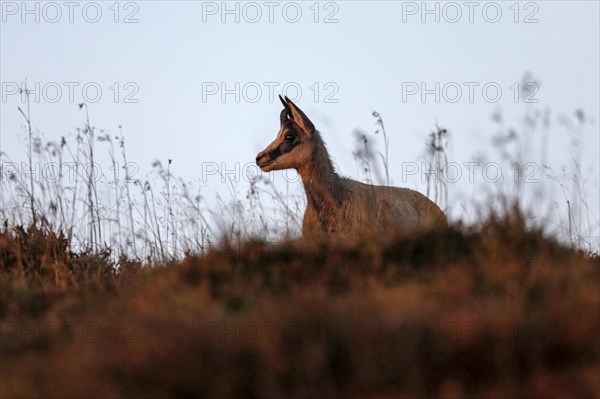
(153, 291)
(500, 311)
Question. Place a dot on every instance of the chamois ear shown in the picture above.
(299, 117)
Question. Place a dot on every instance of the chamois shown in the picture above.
(336, 205)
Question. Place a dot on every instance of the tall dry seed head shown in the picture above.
(338, 206)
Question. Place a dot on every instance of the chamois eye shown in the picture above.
(289, 138)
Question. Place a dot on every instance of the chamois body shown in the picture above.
(337, 205)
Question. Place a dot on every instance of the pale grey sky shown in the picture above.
(192, 81)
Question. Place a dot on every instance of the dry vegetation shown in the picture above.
(500, 312)
(496, 310)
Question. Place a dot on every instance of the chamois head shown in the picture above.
(292, 148)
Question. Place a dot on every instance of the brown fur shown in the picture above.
(337, 205)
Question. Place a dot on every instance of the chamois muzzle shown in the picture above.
(263, 160)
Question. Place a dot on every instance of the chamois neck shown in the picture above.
(321, 184)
